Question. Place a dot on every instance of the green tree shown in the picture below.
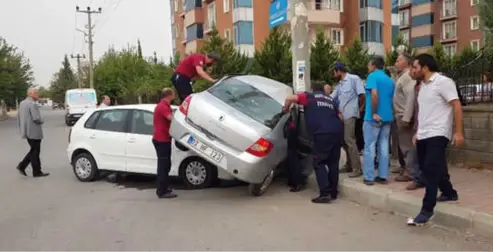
(398, 45)
(323, 56)
(63, 80)
(445, 62)
(356, 58)
(485, 11)
(16, 74)
(275, 59)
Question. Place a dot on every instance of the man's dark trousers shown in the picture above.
(163, 152)
(32, 157)
(296, 177)
(433, 164)
(182, 86)
(326, 155)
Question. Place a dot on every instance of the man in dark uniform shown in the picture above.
(190, 68)
(324, 123)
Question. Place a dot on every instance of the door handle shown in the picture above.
(92, 137)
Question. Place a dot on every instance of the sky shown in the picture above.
(45, 30)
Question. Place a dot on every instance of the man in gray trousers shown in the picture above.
(29, 121)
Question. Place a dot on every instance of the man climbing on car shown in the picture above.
(190, 68)
(324, 123)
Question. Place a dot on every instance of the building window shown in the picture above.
(175, 5)
(404, 18)
(406, 35)
(423, 19)
(194, 32)
(450, 49)
(189, 5)
(404, 2)
(337, 37)
(226, 5)
(335, 5)
(423, 41)
(474, 2)
(243, 31)
(475, 45)
(211, 15)
(449, 8)
(227, 34)
(242, 4)
(474, 22)
(449, 30)
(370, 4)
(371, 31)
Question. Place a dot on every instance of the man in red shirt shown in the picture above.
(162, 142)
(190, 68)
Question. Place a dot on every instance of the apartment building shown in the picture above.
(453, 23)
(246, 23)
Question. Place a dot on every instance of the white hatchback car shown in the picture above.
(119, 138)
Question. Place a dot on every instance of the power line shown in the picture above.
(89, 35)
(105, 18)
(75, 33)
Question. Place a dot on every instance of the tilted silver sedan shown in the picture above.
(237, 125)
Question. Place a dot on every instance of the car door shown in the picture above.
(141, 156)
(109, 138)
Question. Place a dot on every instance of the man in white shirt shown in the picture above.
(439, 105)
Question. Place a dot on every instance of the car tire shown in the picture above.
(197, 173)
(261, 188)
(84, 167)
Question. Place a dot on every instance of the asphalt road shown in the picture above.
(60, 213)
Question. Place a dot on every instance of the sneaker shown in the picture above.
(420, 220)
(368, 182)
(321, 200)
(445, 198)
(403, 178)
(414, 186)
(355, 174)
(381, 180)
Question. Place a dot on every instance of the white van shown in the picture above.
(77, 102)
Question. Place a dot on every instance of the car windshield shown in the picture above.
(248, 100)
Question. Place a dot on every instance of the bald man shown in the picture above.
(30, 123)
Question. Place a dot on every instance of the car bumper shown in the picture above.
(241, 165)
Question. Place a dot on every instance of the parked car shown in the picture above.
(119, 138)
(237, 125)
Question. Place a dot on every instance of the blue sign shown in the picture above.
(278, 13)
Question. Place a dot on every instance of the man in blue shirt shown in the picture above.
(350, 94)
(377, 121)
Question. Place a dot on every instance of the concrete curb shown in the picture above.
(447, 215)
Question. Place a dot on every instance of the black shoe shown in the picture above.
(297, 188)
(381, 180)
(368, 182)
(321, 200)
(21, 171)
(420, 220)
(445, 198)
(167, 195)
(42, 174)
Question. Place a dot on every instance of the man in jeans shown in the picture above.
(439, 105)
(162, 142)
(351, 96)
(378, 117)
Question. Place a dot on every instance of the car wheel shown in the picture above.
(85, 168)
(261, 188)
(196, 173)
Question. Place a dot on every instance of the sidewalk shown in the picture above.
(472, 213)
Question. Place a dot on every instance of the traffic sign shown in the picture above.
(278, 13)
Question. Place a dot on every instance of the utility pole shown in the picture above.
(298, 18)
(89, 35)
(79, 70)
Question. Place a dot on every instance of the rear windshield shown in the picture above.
(81, 98)
(248, 100)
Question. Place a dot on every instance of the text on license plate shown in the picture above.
(205, 149)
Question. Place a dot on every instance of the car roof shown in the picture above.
(273, 88)
(149, 107)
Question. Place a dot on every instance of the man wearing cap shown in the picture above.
(351, 95)
(190, 68)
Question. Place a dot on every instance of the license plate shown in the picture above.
(217, 156)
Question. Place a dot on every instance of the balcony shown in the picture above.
(404, 24)
(448, 13)
(194, 16)
(323, 13)
(404, 4)
(449, 37)
(208, 26)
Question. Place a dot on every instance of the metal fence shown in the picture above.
(474, 78)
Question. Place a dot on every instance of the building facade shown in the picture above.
(246, 23)
(453, 23)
